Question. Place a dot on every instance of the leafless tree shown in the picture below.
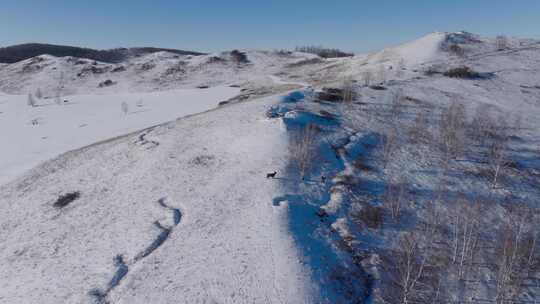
(31, 101)
(501, 42)
(419, 132)
(60, 88)
(348, 91)
(411, 275)
(465, 223)
(125, 108)
(400, 67)
(498, 161)
(389, 145)
(516, 254)
(482, 124)
(498, 157)
(381, 73)
(367, 76)
(433, 218)
(302, 148)
(38, 93)
(452, 129)
(395, 198)
(396, 106)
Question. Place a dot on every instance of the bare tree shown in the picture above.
(498, 161)
(396, 106)
(419, 132)
(400, 68)
(394, 198)
(381, 74)
(516, 254)
(31, 101)
(452, 129)
(302, 148)
(465, 223)
(348, 91)
(367, 76)
(38, 93)
(389, 145)
(411, 276)
(501, 42)
(498, 158)
(60, 88)
(482, 124)
(125, 107)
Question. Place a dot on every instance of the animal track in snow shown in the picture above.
(122, 268)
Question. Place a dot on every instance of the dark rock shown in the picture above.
(378, 87)
(119, 69)
(106, 83)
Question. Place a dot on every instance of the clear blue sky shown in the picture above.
(353, 25)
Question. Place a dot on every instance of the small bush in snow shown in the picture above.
(371, 216)
(463, 72)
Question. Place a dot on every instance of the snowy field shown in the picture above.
(35, 134)
(196, 185)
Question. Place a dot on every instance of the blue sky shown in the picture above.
(353, 25)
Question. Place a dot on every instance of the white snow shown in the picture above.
(87, 119)
(231, 245)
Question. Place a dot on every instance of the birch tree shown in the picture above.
(516, 255)
(302, 148)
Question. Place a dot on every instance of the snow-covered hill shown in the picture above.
(391, 185)
(151, 72)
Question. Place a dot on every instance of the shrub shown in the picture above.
(371, 216)
(66, 199)
(464, 72)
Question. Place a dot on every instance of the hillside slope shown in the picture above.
(187, 217)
